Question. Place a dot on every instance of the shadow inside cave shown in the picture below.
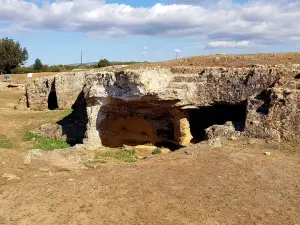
(74, 125)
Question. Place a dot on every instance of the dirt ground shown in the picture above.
(228, 185)
(22, 78)
(228, 60)
(14, 123)
(233, 184)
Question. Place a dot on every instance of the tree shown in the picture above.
(38, 65)
(103, 63)
(11, 55)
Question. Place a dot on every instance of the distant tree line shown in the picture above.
(38, 66)
(13, 57)
(105, 63)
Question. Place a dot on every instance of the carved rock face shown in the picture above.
(138, 106)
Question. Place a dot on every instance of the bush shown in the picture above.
(69, 67)
(55, 69)
(103, 63)
(45, 68)
(156, 151)
(23, 69)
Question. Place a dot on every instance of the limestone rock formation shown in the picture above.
(38, 93)
(226, 131)
(50, 130)
(182, 132)
(275, 113)
(60, 91)
(177, 106)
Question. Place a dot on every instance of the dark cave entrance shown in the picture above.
(52, 98)
(217, 114)
(74, 124)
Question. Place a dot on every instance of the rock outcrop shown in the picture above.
(176, 106)
(226, 131)
(60, 91)
(275, 113)
(50, 130)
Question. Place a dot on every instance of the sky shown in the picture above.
(56, 31)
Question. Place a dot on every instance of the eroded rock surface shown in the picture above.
(60, 91)
(226, 131)
(176, 106)
(274, 114)
(50, 130)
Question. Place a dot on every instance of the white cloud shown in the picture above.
(145, 50)
(178, 50)
(228, 24)
(230, 44)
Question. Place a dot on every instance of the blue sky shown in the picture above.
(148, 30)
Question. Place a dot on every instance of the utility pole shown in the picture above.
(81, 58)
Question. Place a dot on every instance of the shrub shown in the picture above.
(156, 151)
(55, 69)
(23, 69)
(45, 68)
(103, 63)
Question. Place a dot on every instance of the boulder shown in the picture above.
(226, 131)
(51, 130)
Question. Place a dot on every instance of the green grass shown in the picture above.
(156, 151)
(127, 156)
(4, 143)
(66, 112)
(46, 144)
